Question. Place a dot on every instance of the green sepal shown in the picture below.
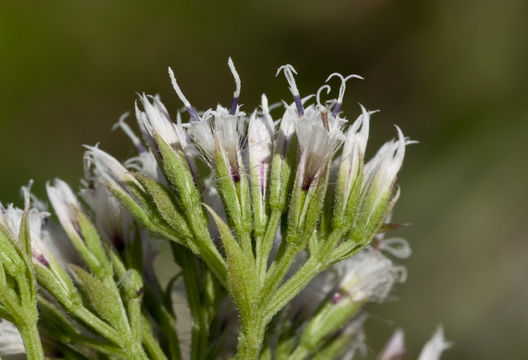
(20, 266)
(310, 216)
(95, 246)
(345, 207)
(329, 318)
(282, 175)
(228, 191)
(369, 220)
(24, 237)
(9, 253)
(177, 171)
(62, 289)
(240, 268)
(105, 302)
(130, 204)
(167, 206)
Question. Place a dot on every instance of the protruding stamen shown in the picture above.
(238, 83)
(318, 95)
(322, 108)
(128, 131)
(264, 105)
(342, 89)
(178, 118)
(190, 109)
(26, 193)
(288, 73)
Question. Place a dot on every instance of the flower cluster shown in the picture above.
(275, 223)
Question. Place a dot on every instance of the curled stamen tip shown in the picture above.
(178, 118)
(264, 102)
(344, 79)
(177, 89)
(354, 76)
(121, 120)
(238, 83)
(318, 95)
(26, 193)
(286, 68)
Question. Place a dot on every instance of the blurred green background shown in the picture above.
(453, 74)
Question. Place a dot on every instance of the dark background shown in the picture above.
(453, 74)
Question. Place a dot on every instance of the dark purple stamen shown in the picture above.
(235, 174)
(337, 107)
(307, 183)
(233, 108)
(141, 148)
(298, 103)
(194, 114)
(41, 259)
(337, 297)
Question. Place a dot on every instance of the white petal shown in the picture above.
(433, 349)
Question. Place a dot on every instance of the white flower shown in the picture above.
(112, 219)
(11, 218)
(354, 331)
(155, 121)
(145, 163)
(433, 349)
(319, 136)
(368, 276)
(354, 148)
(47, 240)
(109, 170)
(380, 172)
(394, 348)
(66, 206)
(10, 339)
(220, 130)
(260, 145)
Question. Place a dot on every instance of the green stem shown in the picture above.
(31, 339)
(152, 346)
(192, 280)
(278, 272)
(266, 244)
(95, 323)
(292, 287)
(300, 353)
(251, 339)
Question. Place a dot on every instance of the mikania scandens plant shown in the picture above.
(276, 226)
